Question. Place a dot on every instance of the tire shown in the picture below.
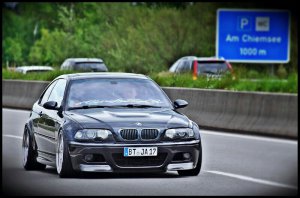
(196, 170)
(63, 162)
(29, 154)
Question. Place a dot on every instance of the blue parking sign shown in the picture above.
(258, 36)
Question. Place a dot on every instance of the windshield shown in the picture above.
(90, 66)
(212, 67)
(109, 92)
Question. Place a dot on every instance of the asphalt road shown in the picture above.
(232, 165)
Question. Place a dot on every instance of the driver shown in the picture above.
(128, 91)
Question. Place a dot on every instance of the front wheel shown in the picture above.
(63, 162)
(29, 155)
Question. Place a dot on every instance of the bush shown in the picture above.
(167, 79)
(281, 72)
(44, 76)
(253, 74)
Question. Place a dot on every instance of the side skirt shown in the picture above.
(46, 158)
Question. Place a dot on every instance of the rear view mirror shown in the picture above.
(180, 103)
(50, 105)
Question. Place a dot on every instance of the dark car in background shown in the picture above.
(110, 122)
(202, 66)
(84, 64)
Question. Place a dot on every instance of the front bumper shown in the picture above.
(110, 157)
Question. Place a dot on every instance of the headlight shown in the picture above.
(103, 133)
(170, 133)
(179, 133)
(91, 134)
(79, 135)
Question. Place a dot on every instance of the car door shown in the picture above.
(50, 121)
(38, 120)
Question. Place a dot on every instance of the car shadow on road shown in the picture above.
(132, 175)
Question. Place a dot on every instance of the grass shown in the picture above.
(264, 83)
(43, 76)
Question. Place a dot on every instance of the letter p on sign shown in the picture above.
(244, 23)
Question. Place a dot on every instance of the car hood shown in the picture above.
(128, 118)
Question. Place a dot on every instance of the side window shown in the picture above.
(58, 91)
(174, 66)
(47, 93)
(68, 65)
(184, 66)
(65, 64)
(179, 66)
(71, 65)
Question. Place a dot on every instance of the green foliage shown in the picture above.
(12, 51)
(50, 49)
(42, 76)
(281, 72)
(166, 79)
(253, 74)
(142, 38)
(20, 25)
(292, 84)
(266, 84)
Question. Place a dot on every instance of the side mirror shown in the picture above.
(50, 105)
(180, 103)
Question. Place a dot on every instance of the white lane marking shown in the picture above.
(251, 179)
(223, 173)
(249, 137)
(13, 136)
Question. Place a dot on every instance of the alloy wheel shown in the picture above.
(25, 147)
(60, 153)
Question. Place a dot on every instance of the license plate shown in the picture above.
(140, 151)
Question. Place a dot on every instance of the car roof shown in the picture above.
(27, 68)
(102, 75)
(213, 58)
(85, 59)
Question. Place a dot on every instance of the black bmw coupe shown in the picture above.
(110, 122)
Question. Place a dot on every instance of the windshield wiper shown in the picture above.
(89, 107)
(137, 106)
(112, 106)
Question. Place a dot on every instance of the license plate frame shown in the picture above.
(140, 151)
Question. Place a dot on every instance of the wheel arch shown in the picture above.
(29, 127)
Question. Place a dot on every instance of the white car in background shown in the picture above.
(30, 69)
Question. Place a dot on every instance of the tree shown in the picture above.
(12, 51)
